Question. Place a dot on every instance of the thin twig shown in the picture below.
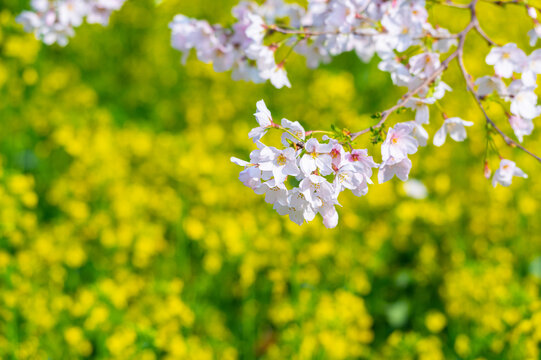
(470, 87)
(482, 32)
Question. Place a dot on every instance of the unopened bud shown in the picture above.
(487, 170)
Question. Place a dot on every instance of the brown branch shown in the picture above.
(307, 32)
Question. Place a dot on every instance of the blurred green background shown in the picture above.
(125, 234)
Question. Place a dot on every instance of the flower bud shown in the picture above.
(487, 171)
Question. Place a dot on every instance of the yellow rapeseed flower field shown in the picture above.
(125, 233)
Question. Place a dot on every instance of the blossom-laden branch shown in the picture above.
(322, 170)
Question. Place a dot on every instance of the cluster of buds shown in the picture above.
(53, 21)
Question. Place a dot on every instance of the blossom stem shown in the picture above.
(308, 133)
(289, 132)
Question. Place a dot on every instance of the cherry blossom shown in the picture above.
(506, 59)
(455, 127)
(399, 143)
(391, 167)
(264, 119)
(521, 126)
(504, 175)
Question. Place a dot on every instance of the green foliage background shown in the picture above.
(125, 234)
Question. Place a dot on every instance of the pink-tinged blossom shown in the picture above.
(362, 163)
(486, 170)
(71, 12)
(504, 175)
(444, 41)
(391, 167)
(506, 59)
(264, 119)
(439, 90)
(399, 142)
(400, 74)
(521, 126)
(266, 64)
(455, 127)
(277, 75)
(338, 154)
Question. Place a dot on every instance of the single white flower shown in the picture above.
(521, 126)
(488, 84)
(391, 167)
(280, 162)
(506, 59)
(264, 119)
(317, 157)
(424, 64)
(295, 128)
(506, 171)
(420, 106)
(524, 104)
(455, 127)
(419, 133)
(274, 192)
(399, 142)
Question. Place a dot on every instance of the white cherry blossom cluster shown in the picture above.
(306, 176)
(53, 21)
(325, 28)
